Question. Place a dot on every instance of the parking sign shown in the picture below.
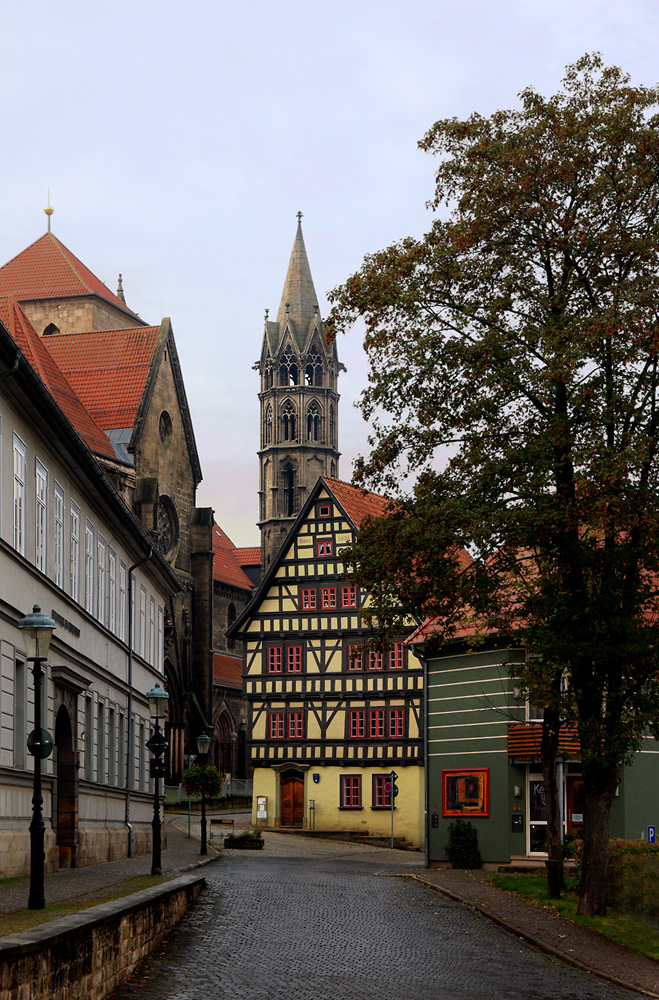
(652, 835)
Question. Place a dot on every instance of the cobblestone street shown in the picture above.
(314, 920)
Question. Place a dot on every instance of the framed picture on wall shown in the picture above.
(466, 792)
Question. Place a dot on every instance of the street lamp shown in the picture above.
(157, 699)
(37, 631)
(203, 746)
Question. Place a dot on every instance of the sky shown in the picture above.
(179, 139)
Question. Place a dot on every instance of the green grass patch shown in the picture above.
(635, 932)
(23, 920)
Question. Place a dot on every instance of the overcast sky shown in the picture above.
(179, 139)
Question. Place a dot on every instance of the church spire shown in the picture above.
(299, 302)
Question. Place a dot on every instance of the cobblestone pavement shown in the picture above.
(308, 920)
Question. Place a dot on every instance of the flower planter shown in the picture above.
(244, 843)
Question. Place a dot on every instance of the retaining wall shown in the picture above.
(87, 954)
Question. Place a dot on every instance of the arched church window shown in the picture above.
(332, 438)
(288, 421)
(313, 419)
(332, 470)
(231, 617)
(313, 372)
(288, 368)
(288, 490)
(267, 429)
(268, 380)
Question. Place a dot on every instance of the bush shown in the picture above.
(203, 778)
(633, 882)
(462, 848)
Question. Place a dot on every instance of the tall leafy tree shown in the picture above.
(513, 376)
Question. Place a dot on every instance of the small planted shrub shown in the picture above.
(462, 848)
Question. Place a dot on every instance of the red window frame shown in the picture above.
(295, 725)
(276, 726)
(350, 791)
(328, 597)
(324, 510)
(357, 722)
(325, 548)
(355, 656)
(375, 659)
(396, 722)
(274, 660)
(376, 724)
(294, 659)
(396, 656)
(308, 599)
(349, 597)
(381, 797)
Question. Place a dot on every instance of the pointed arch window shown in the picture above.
(332, 470)
(288, 368)
(231, 617)
(288, 421)
(313, 422)
(267, 429)
(332, 438)
(268, 376)
(313, 372)
(288, 490)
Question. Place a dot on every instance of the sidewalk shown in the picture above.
(544, 929)
(181, 854)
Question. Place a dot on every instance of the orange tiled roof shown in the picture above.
(357, 503)
(249, 556)
(226, 568)
(48, 270)
(228, 670)
(108, 370)
(50, 374)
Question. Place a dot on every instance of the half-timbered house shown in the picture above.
(329, 717)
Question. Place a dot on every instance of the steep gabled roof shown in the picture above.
(53, 378)
(48, 270)
(357, 503)
(107, 369)
(226, 567)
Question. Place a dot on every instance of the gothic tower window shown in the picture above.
(231, 617)
(288, 490)
(268, 376)
(288, 368)
(267, 430)
(313, 373)
(288, 421)
(332, 438)
(313, 418)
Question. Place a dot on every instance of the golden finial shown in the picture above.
(48, 210)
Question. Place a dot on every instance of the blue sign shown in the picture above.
(316, 779)
(652, 835)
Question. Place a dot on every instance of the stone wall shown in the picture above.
(89, 953)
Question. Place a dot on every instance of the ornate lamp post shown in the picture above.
(37, 631)
(203, 747)
(157, 699)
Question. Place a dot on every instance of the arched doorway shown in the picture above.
(292, 798)
(67, 791)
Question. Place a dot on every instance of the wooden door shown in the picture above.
(292, 800)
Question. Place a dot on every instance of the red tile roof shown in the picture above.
(48, 270)
(226, 568)
(357, 503)
(249, 556)
(59, 387)
(108, 370)
(228, 670)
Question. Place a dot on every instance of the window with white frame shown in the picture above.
(112, 590)
(40, 514)
(142, 645)
(122, 601)
(20, 473)
(89, 566)
(74, 554)
(161, 638)
(152, 631)
(58, 538)
(101, 578)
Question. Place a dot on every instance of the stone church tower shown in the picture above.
(299, 404)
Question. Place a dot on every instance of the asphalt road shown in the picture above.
(310, 920)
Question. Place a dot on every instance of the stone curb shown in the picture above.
(548, 949)
(93, 916)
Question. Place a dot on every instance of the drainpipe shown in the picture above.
(129, 766)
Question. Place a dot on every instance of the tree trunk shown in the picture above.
(599, 787)
(551, 725)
